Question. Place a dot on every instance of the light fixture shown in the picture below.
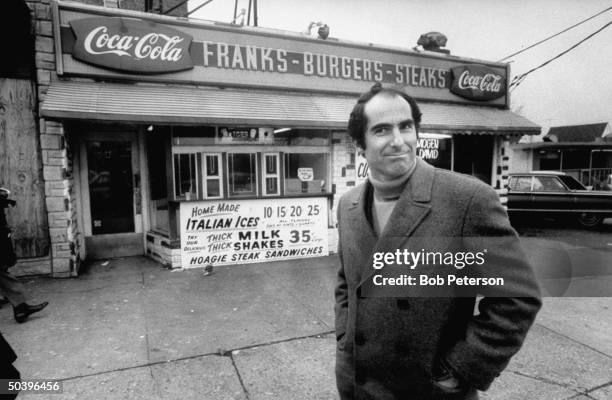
(150, 128)
(281, 130)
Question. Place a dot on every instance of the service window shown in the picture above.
(271, 174)
(306, 173)
(213, 176)
(186, 176)
(242, 174)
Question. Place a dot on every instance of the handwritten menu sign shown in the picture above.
(251, 231)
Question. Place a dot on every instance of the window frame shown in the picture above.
(219, 177)
(255, 162)
(265, 175)
(197, 171)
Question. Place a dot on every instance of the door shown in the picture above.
(110, 190)
(473, 155)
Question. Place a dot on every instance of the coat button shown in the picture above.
(359, 339)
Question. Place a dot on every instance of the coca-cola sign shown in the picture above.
(477, 82)
(131, 45)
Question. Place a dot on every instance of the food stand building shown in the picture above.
(203, 143)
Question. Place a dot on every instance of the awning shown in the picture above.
(166, 104)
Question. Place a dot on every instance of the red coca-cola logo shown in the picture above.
(131, 45)
(477, 82)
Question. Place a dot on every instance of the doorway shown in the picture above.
(111, 189)
(473, 155)
(110, 193)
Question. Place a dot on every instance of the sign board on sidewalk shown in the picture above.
(226, 232)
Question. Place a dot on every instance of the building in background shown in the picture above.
(583, 151)
(199, 142)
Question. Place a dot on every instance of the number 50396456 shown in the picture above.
(8, 386)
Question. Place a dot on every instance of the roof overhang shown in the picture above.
(558, 146)
(198, 105)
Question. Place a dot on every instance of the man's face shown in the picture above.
(390, 137)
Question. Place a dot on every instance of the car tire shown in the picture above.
(589, 220)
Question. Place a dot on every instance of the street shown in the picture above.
(569, 260)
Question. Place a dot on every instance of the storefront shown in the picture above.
(206, 143)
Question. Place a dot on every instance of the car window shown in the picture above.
(547, 184)
(572, 183)
(520, 183)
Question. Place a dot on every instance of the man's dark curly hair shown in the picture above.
(358, 121)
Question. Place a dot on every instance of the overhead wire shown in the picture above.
(189, 12)
(517, 80)
(198, 7)
(556, 34)
(175, 7)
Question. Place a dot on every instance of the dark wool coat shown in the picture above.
(391, 347)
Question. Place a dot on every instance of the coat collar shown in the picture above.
(411, 209)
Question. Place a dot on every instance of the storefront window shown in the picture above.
(186, 176)
(436, 149)
(242, 174)
(271, 174)
(292, 162)
(306, 173)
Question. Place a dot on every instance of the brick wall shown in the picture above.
(56, 159)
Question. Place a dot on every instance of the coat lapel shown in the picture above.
(410, 210)
(360, 229)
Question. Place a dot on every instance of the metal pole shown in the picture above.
(235, 10)
(249, 13)
(254, 12)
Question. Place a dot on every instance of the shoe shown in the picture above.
(24, 310)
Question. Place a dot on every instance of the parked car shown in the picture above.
(607, 184)
(557, 194)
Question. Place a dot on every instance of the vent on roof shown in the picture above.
(112, 3)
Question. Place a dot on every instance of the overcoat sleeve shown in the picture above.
(497, 332)
(341, 291)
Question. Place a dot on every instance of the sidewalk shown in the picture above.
(129, 329)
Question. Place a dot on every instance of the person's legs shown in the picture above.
(11, 288)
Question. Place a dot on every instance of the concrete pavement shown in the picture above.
(130, 329)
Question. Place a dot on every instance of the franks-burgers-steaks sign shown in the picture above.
(131, 45)
(194, 53)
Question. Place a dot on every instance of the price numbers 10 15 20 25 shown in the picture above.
(310, 210)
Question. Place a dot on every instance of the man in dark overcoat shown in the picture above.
(415, 345)
(10, 287)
